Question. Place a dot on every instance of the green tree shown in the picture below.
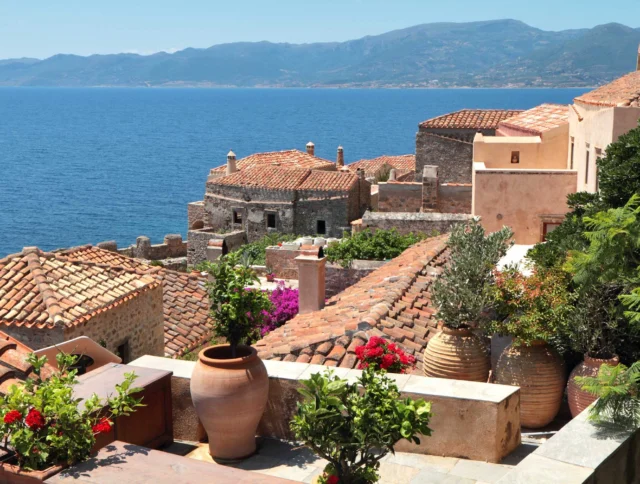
(619, 170)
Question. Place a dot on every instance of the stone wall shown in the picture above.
(138, 322)
(452, 156)
(197, 241)
(454, 197)
(196, 215)
(471, 420)
(413, 222)
(399, 197)
(172, 247)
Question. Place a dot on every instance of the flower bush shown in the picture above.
(534, 308)
(381, 354)
(42, 423)
(354, 429)
(284, 301)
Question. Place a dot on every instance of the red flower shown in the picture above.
(34, 420)
(375, 341)
(387, 361)
(333, 479)
(360, 352)
(374, 352)
(12, 416)
(102, 427)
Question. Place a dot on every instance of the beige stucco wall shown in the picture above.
(595, 127)
(518, 198)
(139, 321)
(546, 152)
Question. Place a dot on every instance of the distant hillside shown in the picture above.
(495, 53)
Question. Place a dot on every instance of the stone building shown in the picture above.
(46, 298)
(185, 303)
(305, 201)
(447, 141)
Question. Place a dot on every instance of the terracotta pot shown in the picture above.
(539, 372)
(457, 354)
(230, 395)
(580, 399)
(13, 474)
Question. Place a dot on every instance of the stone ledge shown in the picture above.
(478, 421)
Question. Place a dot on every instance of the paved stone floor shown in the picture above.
(283, 459)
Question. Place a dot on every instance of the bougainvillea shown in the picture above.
(381, 354)
(285, 306)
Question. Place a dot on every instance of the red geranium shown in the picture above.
(102, 427)
(34, 420)
(384, 355)
(12, 416)
(333, 479)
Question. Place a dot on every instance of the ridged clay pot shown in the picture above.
(580, 399)
(230, 395)
(540, 373)
(457, 354)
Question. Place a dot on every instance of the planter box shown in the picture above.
(10, 474)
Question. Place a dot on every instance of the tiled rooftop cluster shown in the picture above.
(394, 302)
(273, 178)
(402, 163)
(47, 289)
(288, 159)
(470, 119)
(187, 324)
(540, 119)
(624, 91)
(14, 367)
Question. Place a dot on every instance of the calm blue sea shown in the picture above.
(80, 166)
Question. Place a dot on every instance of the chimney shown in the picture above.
(231, 163)
(340, 158)
(311, 282)
(430, 184)
(392, 174)
(360, 173)
(311, 149)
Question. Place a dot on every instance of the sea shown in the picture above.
(81, 166)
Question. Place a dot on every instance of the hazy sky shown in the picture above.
(40, 28)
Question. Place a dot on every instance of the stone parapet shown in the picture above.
(412, 222)
(478, 421)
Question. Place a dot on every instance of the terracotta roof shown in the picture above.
(539, 119)
(14, 367)
(470, 119)
(329, 181)
(293, 179)
(392, 302)
(402, 163)
(187, 324)
(624, 91)
(47, 289)
(288, 159)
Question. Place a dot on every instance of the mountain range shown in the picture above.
(498, 53)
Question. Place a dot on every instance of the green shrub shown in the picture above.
(464, 290)
(355, 429)
(255, 252)
(368, 245)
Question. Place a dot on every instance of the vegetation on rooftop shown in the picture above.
(255, 252)
(367, 245)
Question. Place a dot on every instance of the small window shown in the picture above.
(515, 157)
(572, 151)
(586, 169)
(598, 156)
(271, 220)
(321, 227)
(237, 216)
(123, 352)
(547, 228)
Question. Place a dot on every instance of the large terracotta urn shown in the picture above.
(540, 373)
(457, 354)
(230, 395)
(580, 399)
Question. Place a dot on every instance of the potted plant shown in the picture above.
(229, 385)
(463, 294)
(533, 310)
(381, 354)
(44, 428)
(270, 276)
(354, 429)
